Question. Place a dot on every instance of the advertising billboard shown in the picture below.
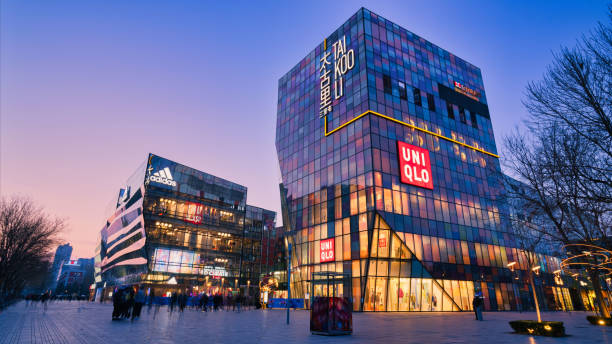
(327, 250)
(415, 166)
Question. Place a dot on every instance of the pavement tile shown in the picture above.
(84, 322)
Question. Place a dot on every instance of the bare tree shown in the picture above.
(551, 164)
(575, 95)
(26, 236)
(565, 159)
(531, 228)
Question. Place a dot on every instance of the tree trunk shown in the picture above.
(535, 296)
(603, 310)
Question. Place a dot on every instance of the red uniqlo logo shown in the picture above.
(415, 167)
(382, 242)
(327, 250)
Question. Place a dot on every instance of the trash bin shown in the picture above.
(331, 311)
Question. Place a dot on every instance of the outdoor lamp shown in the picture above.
(511, 266)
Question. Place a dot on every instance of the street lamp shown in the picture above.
(248, 293)
(511, 266)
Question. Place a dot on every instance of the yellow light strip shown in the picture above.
(410, 126)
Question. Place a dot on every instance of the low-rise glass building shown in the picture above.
(176, 228)
(391, 174)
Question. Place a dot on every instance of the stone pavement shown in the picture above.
(74, 322)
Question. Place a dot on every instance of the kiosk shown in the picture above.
(331, 311)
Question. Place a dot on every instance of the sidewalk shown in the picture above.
(69, 322)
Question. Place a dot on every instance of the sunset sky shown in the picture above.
(88, 88)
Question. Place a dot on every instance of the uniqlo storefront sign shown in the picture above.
(414, 164)
(327, 250)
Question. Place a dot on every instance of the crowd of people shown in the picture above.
(45, 298)
(31, 299)
(128, 302)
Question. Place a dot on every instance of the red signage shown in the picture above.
(466, 91)
(194, 212)
(382, 242)
(327, 250)
(415, 167)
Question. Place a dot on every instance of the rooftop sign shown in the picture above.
(467, 91)
(343, 62)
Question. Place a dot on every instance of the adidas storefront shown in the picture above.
(176, 228)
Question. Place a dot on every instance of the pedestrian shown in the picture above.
(477, 305)
(205, 301)
(117, 304)
(151, 298)
(182, 299)
(43, 299)
(173, 299)
(139, 300)
(217, 300)
(228, 302)
(238, 301)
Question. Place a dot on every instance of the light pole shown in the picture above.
(535, 270)
(248, 292)
(511, 267)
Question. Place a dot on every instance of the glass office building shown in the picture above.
(176, 228)
(391, 174)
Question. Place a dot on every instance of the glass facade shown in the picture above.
(416, 232)
(177, 227)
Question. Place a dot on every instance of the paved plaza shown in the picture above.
(74, 322)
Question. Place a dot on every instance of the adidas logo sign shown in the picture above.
(163, 177)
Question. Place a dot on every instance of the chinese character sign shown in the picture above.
(343, 61)
(327, 250)
(414, 164)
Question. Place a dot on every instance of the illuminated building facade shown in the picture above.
(176, 228)
(390, 174)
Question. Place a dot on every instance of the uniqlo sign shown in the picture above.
(414, 164)
(327, 250)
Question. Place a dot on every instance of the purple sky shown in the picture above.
(89, 88)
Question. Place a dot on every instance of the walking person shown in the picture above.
(173, 299)
(477, 305)
(205, 301)
(182, 300)
(139, 300)
(43, 299)
(238, 301)
(151, 298)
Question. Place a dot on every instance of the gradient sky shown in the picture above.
(88, 88)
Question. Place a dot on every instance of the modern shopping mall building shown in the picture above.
(172, 228)
(392, 175)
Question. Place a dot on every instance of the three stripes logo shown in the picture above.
(163, 176)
